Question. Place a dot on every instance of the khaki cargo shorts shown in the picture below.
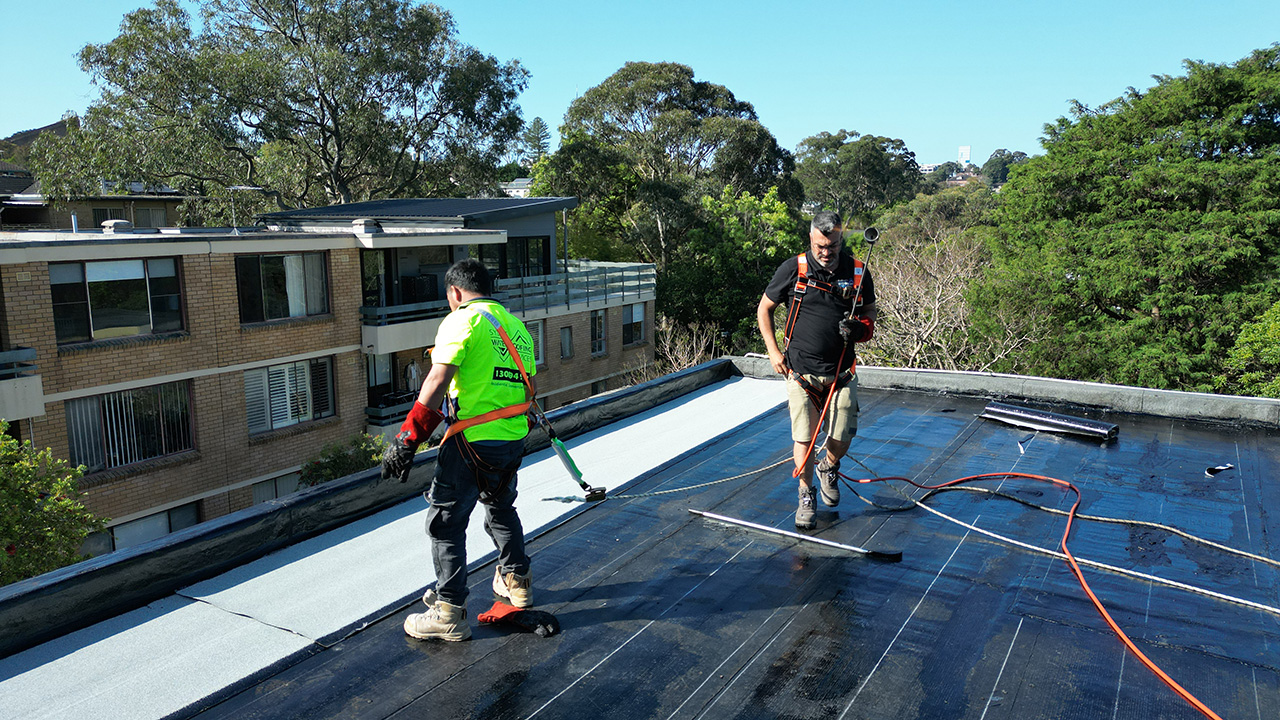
(842, 417)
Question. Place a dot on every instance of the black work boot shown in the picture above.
(807, 511)
(829, 481)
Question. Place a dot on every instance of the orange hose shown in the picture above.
(1075, 570)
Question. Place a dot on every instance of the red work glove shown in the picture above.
(398, 457)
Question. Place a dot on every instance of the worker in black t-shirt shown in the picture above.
(819, 288)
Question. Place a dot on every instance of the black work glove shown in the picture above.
(856, 329)
(397, 459)
(544, 624)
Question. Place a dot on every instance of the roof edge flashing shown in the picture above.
(1236, 409)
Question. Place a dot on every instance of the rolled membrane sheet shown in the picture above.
(1049, 421)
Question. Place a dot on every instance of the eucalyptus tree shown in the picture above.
(314, 101)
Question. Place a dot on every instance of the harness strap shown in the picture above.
(803, 283)
(503, 413)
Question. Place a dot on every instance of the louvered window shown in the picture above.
(535, 332)
(122, 428)
(284, 395)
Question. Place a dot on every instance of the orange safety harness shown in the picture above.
(457, 426)
(803, 283)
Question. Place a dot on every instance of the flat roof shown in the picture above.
(475, 210)
(667, 614)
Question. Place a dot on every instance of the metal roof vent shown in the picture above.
(117, 226)
(366, 226)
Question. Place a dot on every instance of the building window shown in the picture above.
(566, 343)
(633, 324)
(275, 488)
(597, 332)
(284, 395)
(114, 298)
(272, 287)
(148, 217)
(599, 386)
(101, 215)
(535, 333)
(154, 526)
(122, 428)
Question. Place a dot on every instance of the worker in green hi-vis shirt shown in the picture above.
(482, 373)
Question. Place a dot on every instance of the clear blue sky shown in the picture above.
(936, 73)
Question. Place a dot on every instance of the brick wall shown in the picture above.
(213, 342)
(583, 368)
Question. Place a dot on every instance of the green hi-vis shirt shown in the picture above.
(487, 377)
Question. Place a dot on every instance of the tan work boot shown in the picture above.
(829, 481)
(515, 588)
(807, 513)
(441, 621)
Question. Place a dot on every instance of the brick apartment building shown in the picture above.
(193, 370)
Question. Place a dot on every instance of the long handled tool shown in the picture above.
(593, 494)
(886, 555)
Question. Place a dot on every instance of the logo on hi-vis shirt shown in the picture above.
(507, 375)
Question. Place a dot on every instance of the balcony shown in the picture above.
(21, 390)
(587, 285)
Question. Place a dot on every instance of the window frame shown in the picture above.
(599, 332)
(82, 309)
(256, 278)
(635, 328)
(563, 330)
(280, 383)
(98, 426)
(536, 328)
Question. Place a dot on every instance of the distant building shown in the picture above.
(963, 158)
(193, 370)
(518, 188)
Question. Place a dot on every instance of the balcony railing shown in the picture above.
(586, 283)
(16, 363)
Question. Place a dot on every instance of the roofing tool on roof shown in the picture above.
(886, 555)
(593, 494)
(1031, 418)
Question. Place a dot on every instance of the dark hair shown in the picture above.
(826, 221)
(469, 275)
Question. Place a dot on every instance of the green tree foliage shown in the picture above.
(856, 175)
(932, 252)
(315, 101)
(1253, 365)
(719, 273)
(341, 459)
(535, 142)
(42, 519)
(996, 169)
(1148, 232)
(641, 149)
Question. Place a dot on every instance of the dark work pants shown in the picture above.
(454, 494)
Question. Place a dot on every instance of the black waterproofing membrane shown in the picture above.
(668, 614)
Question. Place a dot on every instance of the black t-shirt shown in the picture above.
(815, 341)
